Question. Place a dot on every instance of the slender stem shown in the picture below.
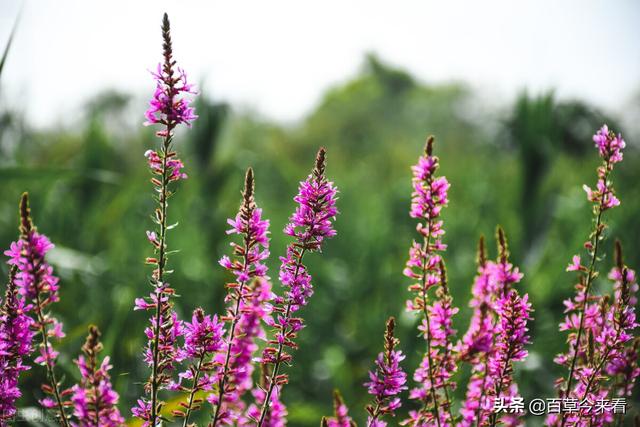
(159, 277)
(49, 363)
(484, 383)
(590, 276)
(194, 389)
(375, 415)
(232, 331)
(448, 402)
(225, 370)
(276, 366)
(426, 251)
(498, 390)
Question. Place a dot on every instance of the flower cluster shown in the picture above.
(276, 416)
(162, 352)
(477, 343)
(496, 337)
(94, 400)
(341, 416)
(15, 344)
(37, 284)
(212, 358)
(248, 299)
(607, 363)
(167, 107)
(600, 337)
(426, 267)
(512, 336)
(311, 224)
(173, 167)
(387, 381)
(610, 147)
(202, 341)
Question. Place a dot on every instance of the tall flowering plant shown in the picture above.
(387, 381)
(169, 109)
(510, 333)
(248, 299)
(38, 286)
(310, 225)
(16, 337)
(495, 339)
(426, 267)
(215, 355)
(94, 400)
(601, 344)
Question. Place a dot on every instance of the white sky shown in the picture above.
(279, 56)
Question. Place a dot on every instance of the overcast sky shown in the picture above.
(279, 56)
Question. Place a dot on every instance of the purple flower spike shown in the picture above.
(203, 339)
(94, 400)
(610, 145)
(341, 416)
(249, 301)
(426, 267)
(38, 286)
(608, 340)
(168, 108)
(310, 225)
(15, 344)
(387, 381)
(590, 318)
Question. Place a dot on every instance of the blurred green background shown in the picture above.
(521, 165)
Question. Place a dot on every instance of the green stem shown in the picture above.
(590, 276)
(225, 370)
(232, 331)
(426, 251)
(159, 278)
(276, 366)
(194, 389)
(49, 363)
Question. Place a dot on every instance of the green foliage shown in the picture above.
(91, 193)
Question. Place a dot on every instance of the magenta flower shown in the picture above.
(341, 416)
(478, 339)
(607, 362)
(203, 335)
(589, 318)
(35, 281)
(94, 400)
(495, 337)
(387, 381)
(15, 344)
(478, 342)
(610, 149)
(203, 338)
(311, 224)
(168, 108)
(173, 172)
(609, 144)
(514, 313)
(249, 299)
(426, 267)
(277, 414)
(35, 275)
(575, 264)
